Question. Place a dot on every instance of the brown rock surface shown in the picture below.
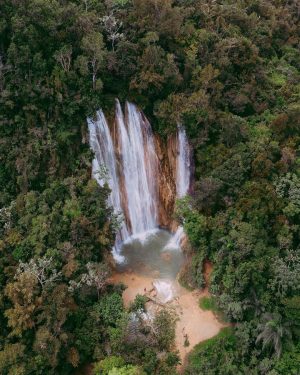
(166, 153)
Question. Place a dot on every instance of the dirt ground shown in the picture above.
(194, 324)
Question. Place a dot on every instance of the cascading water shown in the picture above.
(131, 167)
(183, 167)
(139, 168)
(132, 172)
(104, 169)
(175, 240)
(183, 178)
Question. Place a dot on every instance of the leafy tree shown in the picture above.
(273, 330)
(127, 370)
(96, 276)
(164, 329)
(108, 364)
(292, 313)
(229, 73)
(92, 45)
(41, 269)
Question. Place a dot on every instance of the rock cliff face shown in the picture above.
(165, 172)
(166, 153)
(118, 156)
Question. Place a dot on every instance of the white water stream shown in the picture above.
(183, 178)
(139, 168)
(104, 169)
(183, 167)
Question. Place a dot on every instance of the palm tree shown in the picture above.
(254, 303)
(272, 332)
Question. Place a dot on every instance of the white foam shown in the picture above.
(120, 259)
(165, 290)
(176, 239)
(142, 237)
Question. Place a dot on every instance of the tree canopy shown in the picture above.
(229, 71)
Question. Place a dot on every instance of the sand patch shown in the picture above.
(194, 324)
(135, 285)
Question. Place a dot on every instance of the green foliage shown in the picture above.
(208, 303)
(11, 357)
(208, 356)
(196, 269)
(289, 363)
(139, 303)
(110, 308)
(127, 370)
(107, 364)
(272, 332)
(194, 223)
(229, 72)
(292, 313)
(164, 328)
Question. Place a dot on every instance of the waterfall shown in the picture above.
(183, 177)
(104, 169)
(139, 168)
(131, 173)
(183, 170)
(175, 241)
(129, 164)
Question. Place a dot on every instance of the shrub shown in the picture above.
(107, 364)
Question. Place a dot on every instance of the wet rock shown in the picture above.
(166, 152)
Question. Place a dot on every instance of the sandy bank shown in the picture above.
(194, 324)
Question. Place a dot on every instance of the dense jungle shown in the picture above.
(229, 72)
